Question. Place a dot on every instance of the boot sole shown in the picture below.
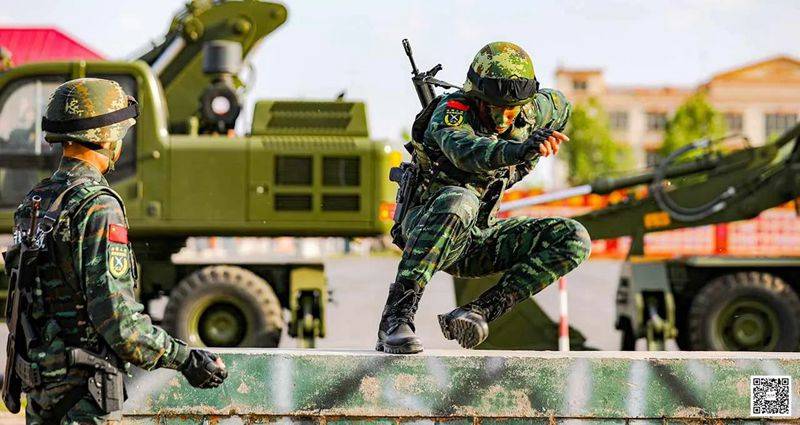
(402, 349)
(467, 332)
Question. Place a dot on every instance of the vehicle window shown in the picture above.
(25, 157)
(126, 166)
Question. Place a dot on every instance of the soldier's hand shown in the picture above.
(204, 369)
(543, 142)
(550, 145)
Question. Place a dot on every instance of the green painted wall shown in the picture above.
(509, 387)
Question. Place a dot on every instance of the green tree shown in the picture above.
(591, 151)
(694, 119)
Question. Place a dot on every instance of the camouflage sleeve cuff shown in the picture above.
(178, 356)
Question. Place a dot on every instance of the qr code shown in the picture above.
(770, 395)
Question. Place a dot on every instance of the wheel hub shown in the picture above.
(748, 325)
(222, 325)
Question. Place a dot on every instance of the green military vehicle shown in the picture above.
(704, 302)
(305, 168)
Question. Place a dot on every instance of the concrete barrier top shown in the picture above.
(474, 386)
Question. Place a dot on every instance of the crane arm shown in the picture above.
(177, 60)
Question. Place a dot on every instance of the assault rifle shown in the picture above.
(22, 253)
(424, 82)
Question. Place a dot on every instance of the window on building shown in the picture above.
(656, 121)
(734, 122)
(580, 85)
(618, 120)
(777, 124)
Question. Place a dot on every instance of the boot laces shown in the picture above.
(405, 308)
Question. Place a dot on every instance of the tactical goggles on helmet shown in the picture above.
(504, 91)
(80, 124)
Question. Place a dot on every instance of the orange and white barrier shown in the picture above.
(563, 321)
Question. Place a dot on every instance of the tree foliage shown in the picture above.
(591, 151)
(694, 119)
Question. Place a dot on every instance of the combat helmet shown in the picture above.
(502, 74)
(90, 112)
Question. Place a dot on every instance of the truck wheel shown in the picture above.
(745, 311)
(224, 306)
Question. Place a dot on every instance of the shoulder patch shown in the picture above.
(454, 104)
(117, 233)
(118, 260)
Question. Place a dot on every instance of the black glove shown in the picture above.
(202, 370)
(530, 147)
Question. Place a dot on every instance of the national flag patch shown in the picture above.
(117, 233)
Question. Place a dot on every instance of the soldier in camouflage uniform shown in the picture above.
(84, 293)
(479, 141)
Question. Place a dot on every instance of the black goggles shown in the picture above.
(80, 124)
(504, 90)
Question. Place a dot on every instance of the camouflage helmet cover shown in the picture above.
(509, 68)
(85, 98)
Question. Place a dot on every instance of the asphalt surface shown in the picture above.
(360, 286)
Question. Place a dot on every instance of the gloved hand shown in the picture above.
(204, 369)
(532, 145)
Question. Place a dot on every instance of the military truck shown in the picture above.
(704, 302)
(304, 168)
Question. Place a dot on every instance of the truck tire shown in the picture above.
(745, 311)
(224, 306)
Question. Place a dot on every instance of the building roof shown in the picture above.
(43, 44)
(779, 68)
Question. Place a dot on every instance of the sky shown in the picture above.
(354, 45)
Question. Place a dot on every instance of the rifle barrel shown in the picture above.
(407, 48)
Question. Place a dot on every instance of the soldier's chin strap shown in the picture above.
(81, 124)
(109, 152)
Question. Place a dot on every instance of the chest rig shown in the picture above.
(56, 303)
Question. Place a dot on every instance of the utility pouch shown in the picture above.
(407, 177)
(106, 385)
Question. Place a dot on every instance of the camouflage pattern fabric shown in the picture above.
(499, 60)
(101, 315)
(457, 135)
(80, 412)
(444, 232)
(86, 98)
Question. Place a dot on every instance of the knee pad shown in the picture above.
(459, 202)
(578, 238)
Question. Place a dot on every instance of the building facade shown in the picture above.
(759, 100)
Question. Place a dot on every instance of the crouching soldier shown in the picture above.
(477, 142)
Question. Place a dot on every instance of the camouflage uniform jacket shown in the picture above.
(102, 313)
(477, 156)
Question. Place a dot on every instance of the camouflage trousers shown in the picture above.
(443, 235)
(66, 405)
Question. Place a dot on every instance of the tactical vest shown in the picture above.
(57, 307)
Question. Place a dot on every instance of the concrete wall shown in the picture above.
(460, 387)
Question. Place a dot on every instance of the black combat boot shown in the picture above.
(469, 324)
(467, 327)
(396, 330)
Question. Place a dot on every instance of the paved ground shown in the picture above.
(360, 285)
